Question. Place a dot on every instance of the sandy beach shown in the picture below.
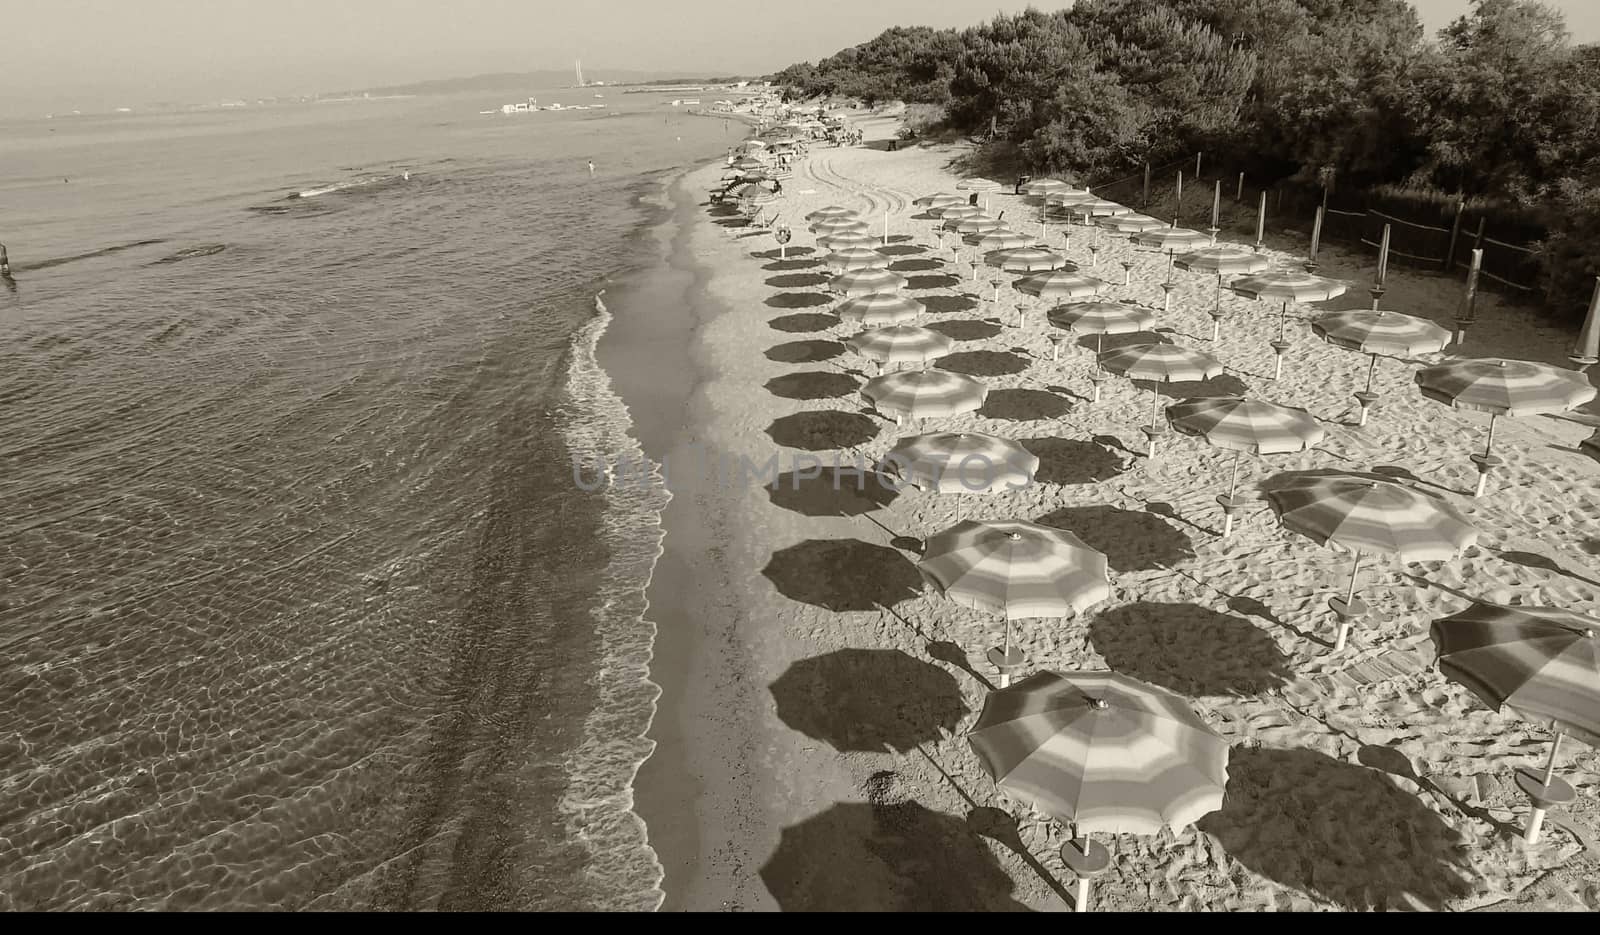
(815, 693)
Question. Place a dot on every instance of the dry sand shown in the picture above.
(793, 622)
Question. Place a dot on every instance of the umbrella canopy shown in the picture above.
(959, 463)
(1363, 514)
(1505, 387)
(978, 224)
(978, 185)
(748, 162)
(852, 238)
(1288, 285)
(1161, 363)
(831, 212)
(854, 258)
(924, 394)
(1016, 569)
(1224, 261)
(1170, 239)
(1099, 208)
(1102, 751)
(940, 200)
(1025, 260)
(960, 212)
(1101, 318)
(866, 281)
(1247, 425)
(880, 308)
(1381, 332)
(1059, 284)
(1543, 663)
(897, 344)
(1042, 187)
(1001, 239)
(1131, 224)
(839, 225)
(1069, 198)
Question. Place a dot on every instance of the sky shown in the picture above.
(98, 54)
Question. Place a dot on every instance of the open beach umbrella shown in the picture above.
(1131, 224)
(1101, 319)
(1042, 187)
(1098, 208)
(974, 224)
(1541, 663)
(827, 226)
(1160, 363)
(1025, 259)
(1379, 332)
(1224, 261)
(924, 394)
(833, 212)
(1366, 514)
(866, 281)
(1067, 198)
(1503, 388)
(1057, 285)
(949, 462)
(849, 238)
(854, 258)
(1102, 753)
(953, 213)
(880, 308)
(940, 200)
(1171, 241)
(1285, 285)
(979, 185)
(1015, 569)
(1244, 426)
(896, 344)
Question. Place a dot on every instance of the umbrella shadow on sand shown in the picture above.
(813, 384)
(843, 575)
(1396, 472)
(1190, 649)
(797, 280)
(1396, 763)
(902, 249)
(889, 856)
(804, 352)
(982, 363)
(1071, 461)
(918, 265)
(1225, 385)
(1131, 540)
(1544, 563)
(869, 700)
(949, 304)
(1024, 405)
(933, 281)
(965, 329)
(825, 430)
(803, 322)
(778, 254)
(833, 492)
(1338, 831)
(799, 300)
(781, 266)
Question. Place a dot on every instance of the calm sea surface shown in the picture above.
(299, 605)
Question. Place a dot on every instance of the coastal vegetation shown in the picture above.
(1498, 109)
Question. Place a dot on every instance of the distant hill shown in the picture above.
(500, 81)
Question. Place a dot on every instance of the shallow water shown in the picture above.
(299, 606)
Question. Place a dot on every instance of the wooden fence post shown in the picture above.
(1146, 203)
(1455, 232)
(1197, 165)
(1239, 195)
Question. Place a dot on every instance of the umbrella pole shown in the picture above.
(1349, 608)
(1365, 398)
(1155, 408)
(1228, 503)
(1486, 462)
(1216, 311)
(1545, 797)
(1550, 765)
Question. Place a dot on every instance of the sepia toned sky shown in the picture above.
(97, 54)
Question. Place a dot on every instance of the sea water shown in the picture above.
(300, 606)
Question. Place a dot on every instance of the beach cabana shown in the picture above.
(1366, 514)
(1379, 332)
(1101, 753)
(1244, 426)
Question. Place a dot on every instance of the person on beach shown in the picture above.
(591, 168)
(5, 262)
(1021, 181)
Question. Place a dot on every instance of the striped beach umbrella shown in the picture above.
(896, 344)
(1160, 363)
(1039, 188)
(1025, 260)
(1379, 332)
(1102, 753)
(1057, 285)
(1101, 319)
(1098, 208)
(959, 212)
(979, 185)
(849, 238)
(827, 226)
(1285, 285)
(854, 258)
(1244, 426)
(833, 212)
(880, 308)
(866, 282)
(1170, 240)
(1016, 569)
(948, 462)
(1069, 198)
(975, 224)
(1540, 663)
(924, 394)
(1224, 261)
(1000, 239)
(1365, 514)
(1503, 388)
(1131, 224)
(939, 200)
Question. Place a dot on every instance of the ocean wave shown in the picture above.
(622, 869)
